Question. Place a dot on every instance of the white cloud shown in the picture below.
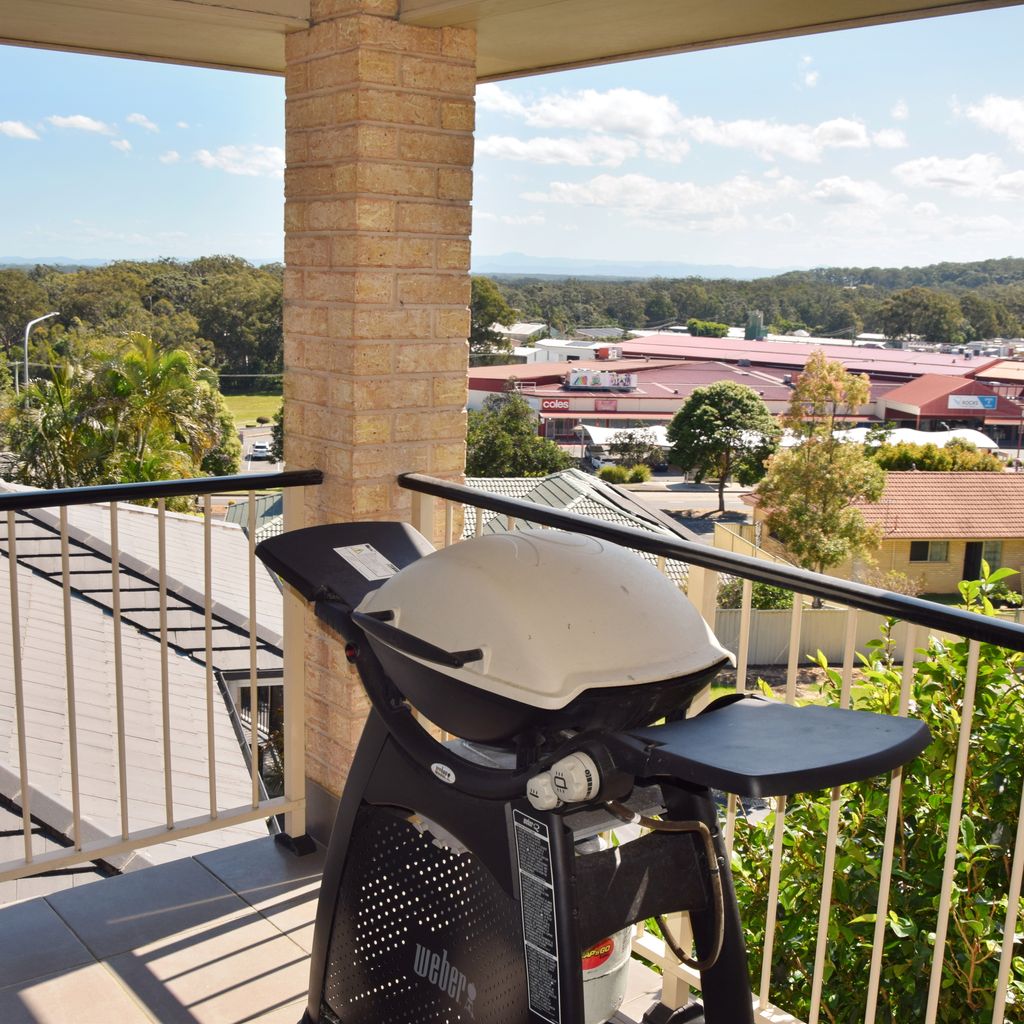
(890, 138)
(662, 130)
(142, 121)
(588, 152)
(1002, 115)
(900, 111)
(512, 220)
(17, 130)
(811, 78)
(122, 144)
(628, 112)
(81, 123)
(181, 124)
(841, 133)
(172, 156)
(642, 195)
(980, 175)
(497, 100)
(847, 190)
(251, 160)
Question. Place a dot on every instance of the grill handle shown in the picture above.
(376, 625)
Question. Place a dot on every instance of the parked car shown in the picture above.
(260, 450)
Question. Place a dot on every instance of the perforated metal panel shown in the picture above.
(421, 935)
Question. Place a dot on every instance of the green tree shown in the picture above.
(502, 440)
(488, 307)
(957, 456)
(984, 845)
(636, 448)
(931, 315)
(808, 494)
(135, 413)
(277, 436)
(706, 328)
(724, 429)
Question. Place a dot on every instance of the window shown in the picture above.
(992, 552)
(929, 551)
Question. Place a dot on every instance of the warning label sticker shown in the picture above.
(537, 895)
(367, 561)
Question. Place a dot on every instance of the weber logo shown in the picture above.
(436, 969)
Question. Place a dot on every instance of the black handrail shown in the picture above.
(24, 500)
(856, 595)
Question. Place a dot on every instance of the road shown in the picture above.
(249, 436)
(681, 496)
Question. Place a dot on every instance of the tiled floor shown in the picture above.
(221, 939)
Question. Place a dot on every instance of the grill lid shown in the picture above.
(554, 614)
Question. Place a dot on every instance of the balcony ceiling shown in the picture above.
(516, 37)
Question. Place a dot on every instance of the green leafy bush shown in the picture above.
(984, 850)
(763, 596)
(638, 474)
(614, 474)
(706, 328)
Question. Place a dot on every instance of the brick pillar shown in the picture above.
(379, 122)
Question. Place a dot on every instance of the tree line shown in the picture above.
(948, 303)
(222, 310)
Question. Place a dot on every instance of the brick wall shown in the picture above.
(378, 182)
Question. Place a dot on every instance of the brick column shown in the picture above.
(379, 123)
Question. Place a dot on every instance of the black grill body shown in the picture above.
(447, 898)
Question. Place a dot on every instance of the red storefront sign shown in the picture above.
(606, 405)
(554, 405)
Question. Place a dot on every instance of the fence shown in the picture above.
(823, 860)
(114, 668)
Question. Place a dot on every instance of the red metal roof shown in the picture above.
(929, 394)
(793, 356)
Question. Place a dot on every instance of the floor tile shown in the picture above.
(237, 968)
(34, 941)
(84, 995)
(282, 887)
(119, 914)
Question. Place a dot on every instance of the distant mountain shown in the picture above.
(566, 266)
(7, 262)
(49, 261)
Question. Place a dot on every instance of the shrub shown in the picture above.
(706, 328)
(984, 854)
(764, 596)
(639, 474)
(613, 474)
(262, 419)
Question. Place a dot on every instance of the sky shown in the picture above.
(894, 145)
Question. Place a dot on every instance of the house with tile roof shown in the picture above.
(936, 527)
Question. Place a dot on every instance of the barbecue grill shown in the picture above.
(463, 880)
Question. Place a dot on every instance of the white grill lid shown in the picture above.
(554, 614)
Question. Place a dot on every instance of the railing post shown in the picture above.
(424, 513)
(294, 683)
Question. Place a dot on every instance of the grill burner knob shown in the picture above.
(576, 778)
(541, 792)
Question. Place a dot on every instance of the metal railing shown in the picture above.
(922, 620)
(128, 627)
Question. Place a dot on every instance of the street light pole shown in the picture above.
(28, 330)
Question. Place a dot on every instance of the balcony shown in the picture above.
(222, 932)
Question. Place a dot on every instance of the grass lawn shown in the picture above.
(245, 408)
